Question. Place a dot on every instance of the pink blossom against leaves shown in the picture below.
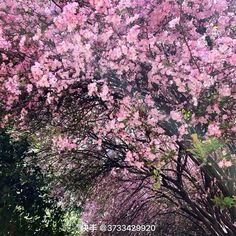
(43, 82)
(22, 42)
(216, 109)
(121, 72)
(122, 115)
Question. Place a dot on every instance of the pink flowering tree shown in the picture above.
(138, 86)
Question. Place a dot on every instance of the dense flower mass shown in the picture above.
(134, 77)
(149, 62)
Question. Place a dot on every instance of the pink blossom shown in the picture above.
(122, 115)
(113, 172)
(49, 98)
(43, 82)
(224, 164)
(92, 88)
(63, 143)
(176, 116)
(23, 114)
(233, 128)
(174, 22)
(4, 43)
(68, 18)
(29, 88)
(139, 164)
(214, 130)
(133, 34)
(100, 5)
(36, 70)
(232, 59)
(223, 48)
(129, 157)
(224, 91)
(182, 130)
(145, 63)
(12, 85)
(149, 100)
(220, 5)
(111, 125)
(22, 41)
(135, 119)
(104, 93)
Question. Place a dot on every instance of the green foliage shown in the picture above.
(202, 148)
(224, 125)
(156, 178)
(168, 154)
(72, 223)
(224, 101)
(25, 207)
(35, 144)
(186, 114)
(224, 202)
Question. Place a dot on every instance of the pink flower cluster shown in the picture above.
(100, 5)
(63, 143)
(68, 18)
(214, 130)
(224, 164)
(139, 64)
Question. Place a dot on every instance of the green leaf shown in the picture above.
(224, 202)
(202, 149)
